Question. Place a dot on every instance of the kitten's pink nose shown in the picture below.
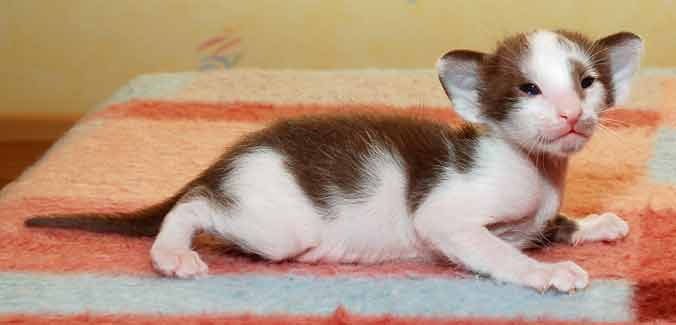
(568, 106)
(571, 115)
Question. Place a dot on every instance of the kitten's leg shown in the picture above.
(478, 249)
(595, 227)
(171, 252)
(560, 229)
(273, 217)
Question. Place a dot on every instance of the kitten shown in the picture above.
(370, 188)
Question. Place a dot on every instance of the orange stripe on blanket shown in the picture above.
(257, 112)
(50, 250)
(262, 112)
(339, 317)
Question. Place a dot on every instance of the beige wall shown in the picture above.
(65, 55)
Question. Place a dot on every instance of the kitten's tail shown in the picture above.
(144, 222)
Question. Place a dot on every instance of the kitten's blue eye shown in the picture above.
(586, 82)
(530, 89)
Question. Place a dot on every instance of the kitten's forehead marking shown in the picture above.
(552, 61)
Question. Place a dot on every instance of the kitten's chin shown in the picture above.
(560, 147)
(566, 146)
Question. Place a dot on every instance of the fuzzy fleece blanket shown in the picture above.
(159, 131)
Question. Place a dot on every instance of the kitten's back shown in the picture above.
(332, 153)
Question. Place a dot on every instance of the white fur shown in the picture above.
(382, 214)
(547, 62)
(454, 218)
(171, 253)
(272, 216)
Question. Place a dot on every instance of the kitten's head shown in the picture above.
(543, 90)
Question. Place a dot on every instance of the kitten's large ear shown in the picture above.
(459, 74)
(624, 52)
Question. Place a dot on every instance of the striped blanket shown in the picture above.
(159, 131)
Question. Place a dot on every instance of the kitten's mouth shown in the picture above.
(570, 134)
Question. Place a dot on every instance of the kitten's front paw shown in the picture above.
(563, 276)
(184, 264)
(606, 226)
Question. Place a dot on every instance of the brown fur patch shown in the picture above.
(328, 152)
(616, 39)
(578, 73)
(598, 53)
(558, 230)
(501, 75)
(465, 55)
(576, 38)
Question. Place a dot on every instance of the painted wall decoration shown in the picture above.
(221, 51)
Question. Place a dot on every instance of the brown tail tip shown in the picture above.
(107, 224)
(145, 222)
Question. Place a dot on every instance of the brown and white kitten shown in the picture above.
(369, 189)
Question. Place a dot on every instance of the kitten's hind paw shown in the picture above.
(184, 264)
(606, 226)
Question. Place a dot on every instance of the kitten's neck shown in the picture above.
(553, 168)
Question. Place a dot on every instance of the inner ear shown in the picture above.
(459, 73)
(624, 53)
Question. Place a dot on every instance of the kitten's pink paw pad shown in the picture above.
(184, 264)
(606, 226)
(563, 276)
